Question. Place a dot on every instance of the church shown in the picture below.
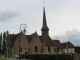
(35, 44)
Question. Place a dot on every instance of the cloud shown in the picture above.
(73, 36)
(7, 15)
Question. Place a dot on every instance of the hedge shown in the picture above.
(46, 56)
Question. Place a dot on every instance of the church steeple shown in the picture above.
(44, 28)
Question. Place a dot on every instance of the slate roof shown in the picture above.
(13, 38)
(69, 44)
(41, 38)
(29, 37)
(47, 41)
(57, 43)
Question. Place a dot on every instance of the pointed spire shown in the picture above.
(44, 17)
(44, 28)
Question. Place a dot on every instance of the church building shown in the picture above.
(33, 43)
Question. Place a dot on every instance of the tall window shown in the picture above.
(36, 48)
(48, 49)
(20, 49)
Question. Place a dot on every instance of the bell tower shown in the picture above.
(44, 28)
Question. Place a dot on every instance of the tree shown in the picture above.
(7, 33)
(7, 37)
(77, 49)
(0, 42)
(4, 43)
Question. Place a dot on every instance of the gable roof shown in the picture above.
(57, 43)
(47, 41)
(13, 38)
(41, 38)
(29, 37)
(69, 44)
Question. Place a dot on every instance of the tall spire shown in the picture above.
(44, 28)
(44, 17)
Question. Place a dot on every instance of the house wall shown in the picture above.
(46, 50)
(64, 50)
(52, 50)
(55, 49)
(59, 51)
(23, 44)
(35, 42)
(8, 53)
(69, 50)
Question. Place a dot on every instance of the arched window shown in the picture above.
(36, 48)
(48, 49)
(20, 49)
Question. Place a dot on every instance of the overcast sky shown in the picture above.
(63, 17)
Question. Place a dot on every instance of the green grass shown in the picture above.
(2, 59)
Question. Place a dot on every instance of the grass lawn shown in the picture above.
(2, 59)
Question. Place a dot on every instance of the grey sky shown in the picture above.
(72, 36)
(61, 15)
(6, 15)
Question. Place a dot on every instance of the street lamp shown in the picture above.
(22, 27)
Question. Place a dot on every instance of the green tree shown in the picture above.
(77, 49)
(4, 42)
(0, 42)
(5, 36)
(7, 33)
